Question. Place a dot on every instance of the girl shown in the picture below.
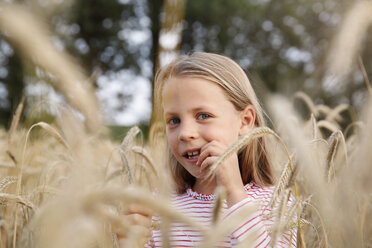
(207, 102)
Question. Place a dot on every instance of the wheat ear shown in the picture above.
(252, 134)
(296, 208)
(16, 198)
(55, 134)
(129, 138)
(6, 181)
(15, 120)
(294, 224)
(143, 152)
(333, 145)
(242, 141)
(282, 183)
(125, 147)
(126, 167)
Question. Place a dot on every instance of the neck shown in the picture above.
(205, 187)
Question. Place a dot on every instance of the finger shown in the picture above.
(210, 145)
(141, 234)
(139, 209)
(120, 235)
(137, 219)
(207, 163)
(208, 150)
(202, 156)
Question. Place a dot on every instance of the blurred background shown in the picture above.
(282, 45)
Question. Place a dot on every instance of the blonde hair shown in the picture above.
(253, 159)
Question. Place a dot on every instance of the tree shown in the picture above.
(280, 43)
(283, 43)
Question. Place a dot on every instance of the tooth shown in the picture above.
(195, 153)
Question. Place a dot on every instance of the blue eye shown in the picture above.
(203, 116)
(174, 121)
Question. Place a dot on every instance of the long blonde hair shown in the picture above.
(254, 162)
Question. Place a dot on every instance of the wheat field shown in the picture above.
(67, 183)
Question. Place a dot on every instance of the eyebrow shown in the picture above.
(197, 109)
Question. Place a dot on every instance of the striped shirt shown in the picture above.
(255, 227)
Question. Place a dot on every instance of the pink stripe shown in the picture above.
(263, 239)
(248, 228)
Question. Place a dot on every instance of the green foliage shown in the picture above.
(282, 44)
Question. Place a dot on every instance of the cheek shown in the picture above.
(172, 140)
(227, 135)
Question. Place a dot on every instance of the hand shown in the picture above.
(137, 217)
(228, 173)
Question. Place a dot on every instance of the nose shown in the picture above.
(188, 131)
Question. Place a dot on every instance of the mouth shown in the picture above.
(192, 154)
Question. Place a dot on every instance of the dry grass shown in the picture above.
(69, 184)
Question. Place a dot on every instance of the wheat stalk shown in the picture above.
(358, 124)
(323, 109)
(51, 130)
(366, 80)
(59, 138)
(281, 210)
(307, 100)
(129, 195)
(314, 126)
(322, 224)
(218, 204)
(335, 114)
(328, 125)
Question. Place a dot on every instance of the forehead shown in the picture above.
(192, 92)
(188, 84)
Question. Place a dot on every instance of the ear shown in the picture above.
(247, 118)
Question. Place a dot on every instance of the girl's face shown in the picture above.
(197, 112)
